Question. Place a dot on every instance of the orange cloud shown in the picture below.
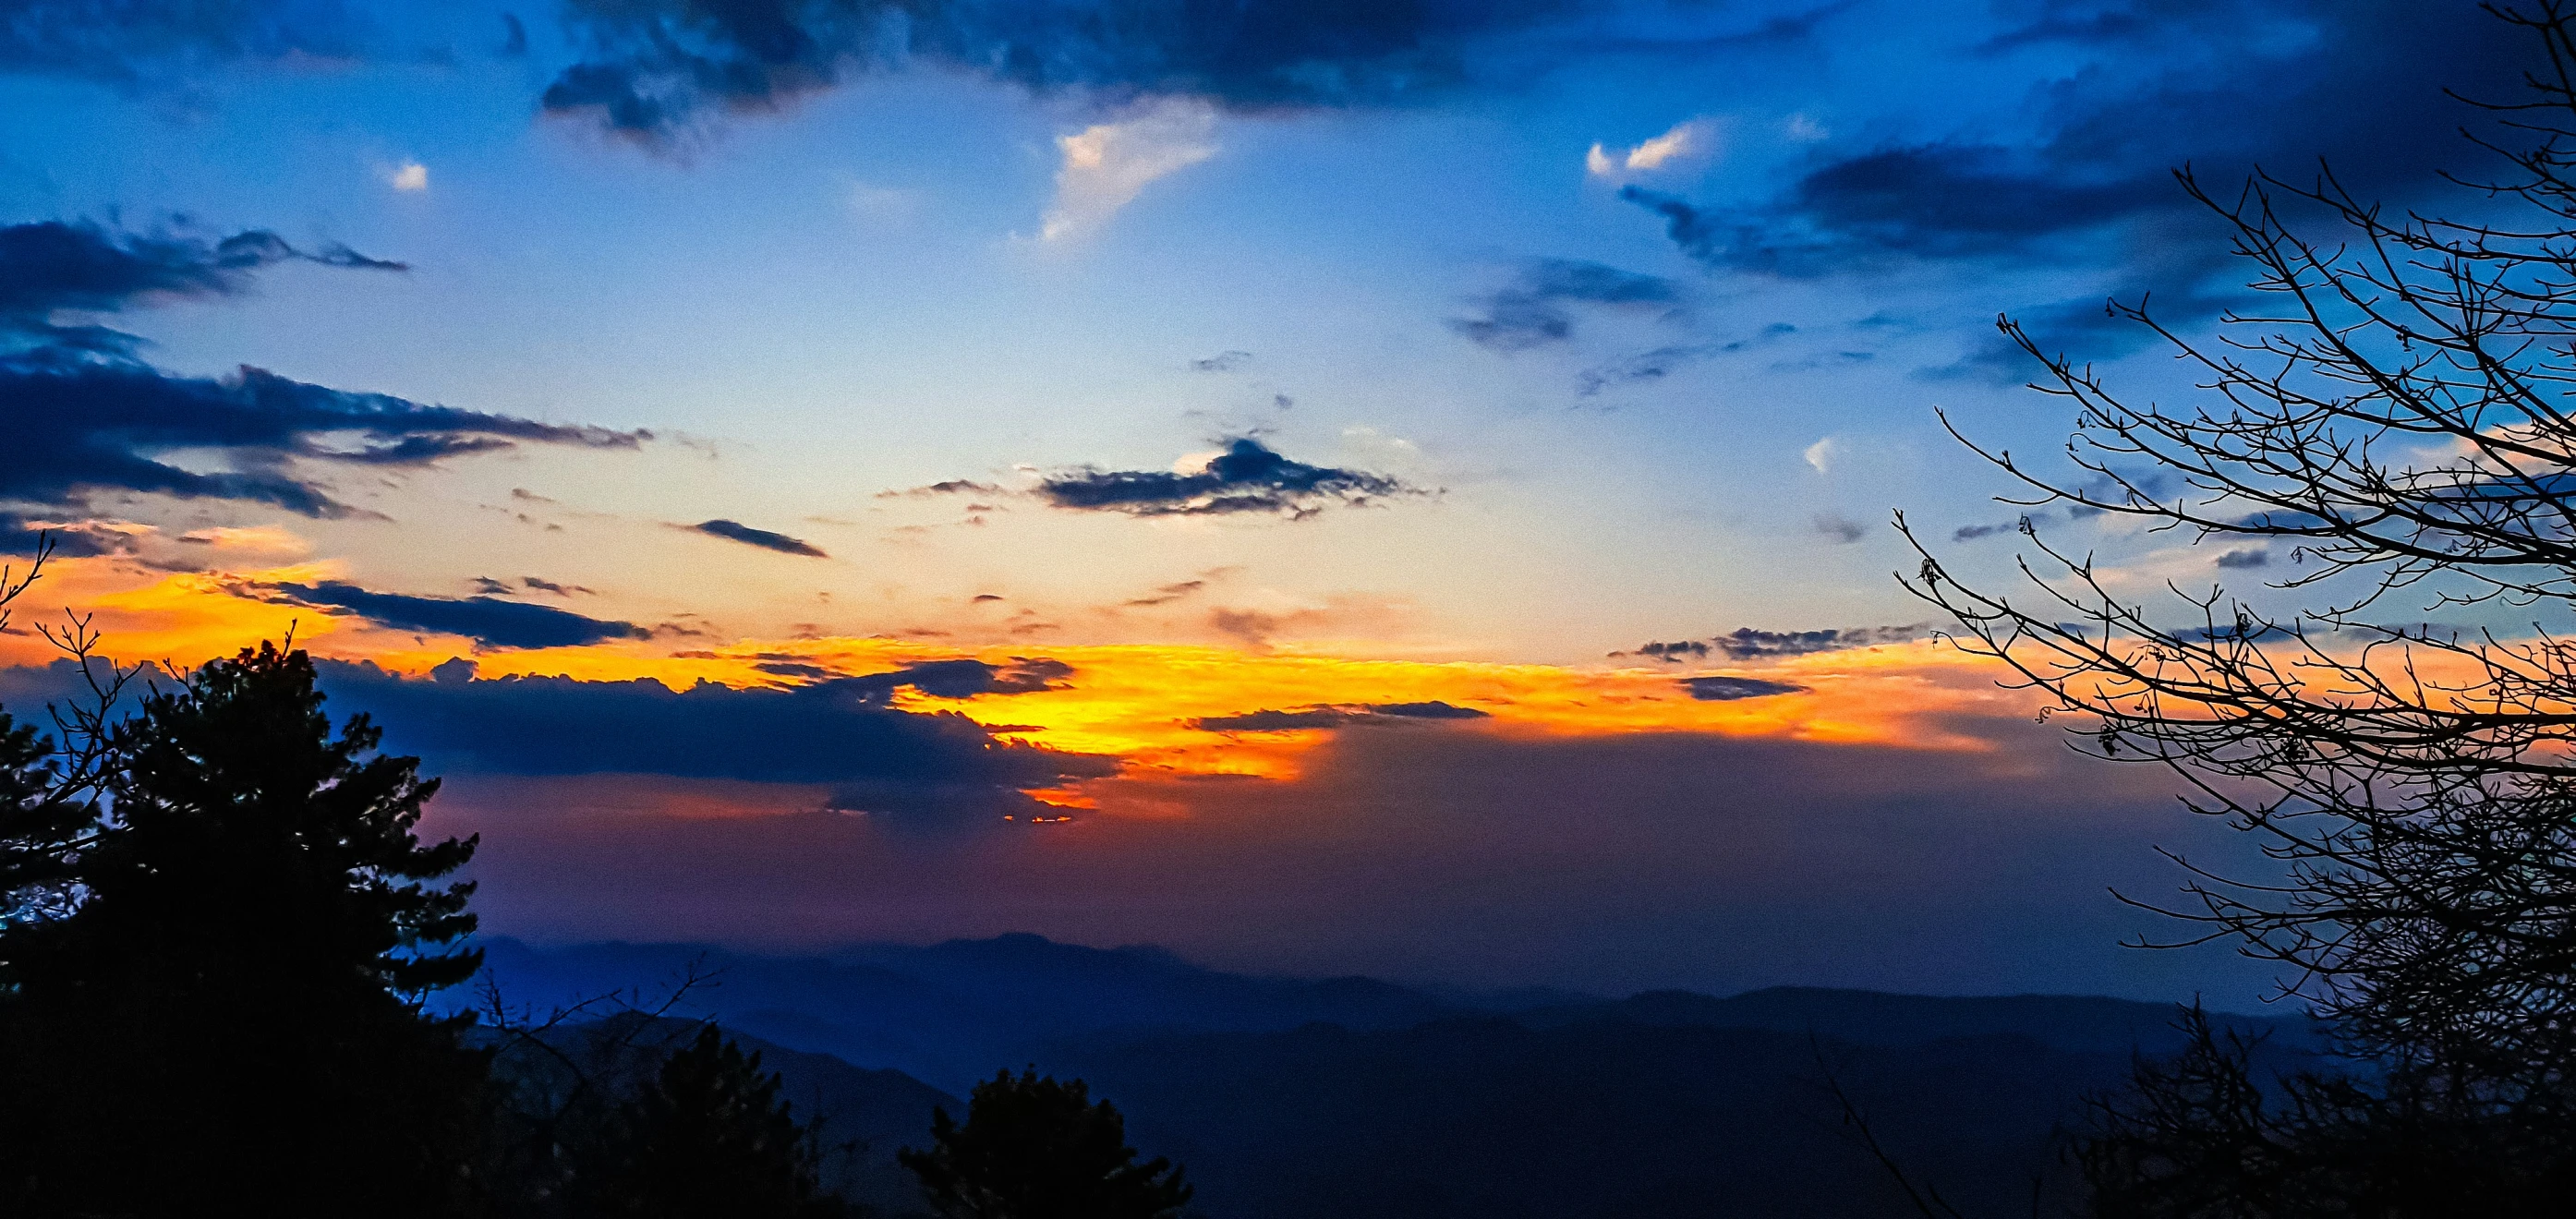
(1136, 701)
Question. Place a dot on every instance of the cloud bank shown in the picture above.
(1247, 478)
(83, 415)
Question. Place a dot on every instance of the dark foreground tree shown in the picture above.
(215, 1003)
(2397, 430)
(1033, 1147)
(707, 1137)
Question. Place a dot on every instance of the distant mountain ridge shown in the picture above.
(1369, 1100)
(954, 1012)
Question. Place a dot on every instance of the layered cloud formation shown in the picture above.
(85, 416)
(654, 68)
(1532, 310)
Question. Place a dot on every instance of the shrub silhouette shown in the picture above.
(707, 1137)
(1033, 1147)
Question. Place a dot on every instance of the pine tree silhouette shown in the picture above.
(226, 1010)
(1033, 1147)
(708, 1138)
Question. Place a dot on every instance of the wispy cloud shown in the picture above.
(1689, 142)
(1532, 309)
(1107, 165)
(766, 540)
(486, 620)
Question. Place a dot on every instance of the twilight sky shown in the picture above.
(1203, 472)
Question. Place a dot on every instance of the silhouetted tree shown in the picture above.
(2399, 425)
(1033, 1147)
(223, 1007)
(706, 1138)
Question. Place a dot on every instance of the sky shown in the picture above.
(1325, 487)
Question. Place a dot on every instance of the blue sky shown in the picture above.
(1629, 322)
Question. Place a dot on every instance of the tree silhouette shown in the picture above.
(1036, 1148)
(2398, 423)
(225, 1008)
(707, 1137)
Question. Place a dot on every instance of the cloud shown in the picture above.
(1689, 140)
(486, 620)
(129, 44)
(1838, 529)
(77, 427)
(1223, 361)
(953, 486)
(50, 266)
(1822, 454)
(1107, 165)
(1341, 715)
(841, 732)
(2275, 82)
(656, 69)
(1531, 310)
(1246, 478)
(1168, 593)
(1746, 643)
(2244, 560)
(409, 176)
(762, 538)
(1477, 858)
(83, 415)
(1730, 689)
(1970, 533)
(1652, 365)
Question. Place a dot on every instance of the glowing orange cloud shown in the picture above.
(1140, 702)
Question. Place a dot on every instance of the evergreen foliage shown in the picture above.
(1033, 1147)
(220, 1002)
(706, 1137)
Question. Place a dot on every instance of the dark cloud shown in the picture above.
(953, 486)
(549, 586)
(1970, 533)
(1608, 863)
(81, 426)
(1337, 715)
(1246, 478)
(2223, 87)
(83, 415)
(762, 538)
(1652, 365)
(1746, 643)
(1672, 653)
(2244, 559)
(655, 68)
(1223, 361)
(49, 267)
(1531, 311)
(841, 732)
(969, 678)
(1169, 593)
(486, 620)
(1838, 529)
(1729, 689)
(128, 43)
